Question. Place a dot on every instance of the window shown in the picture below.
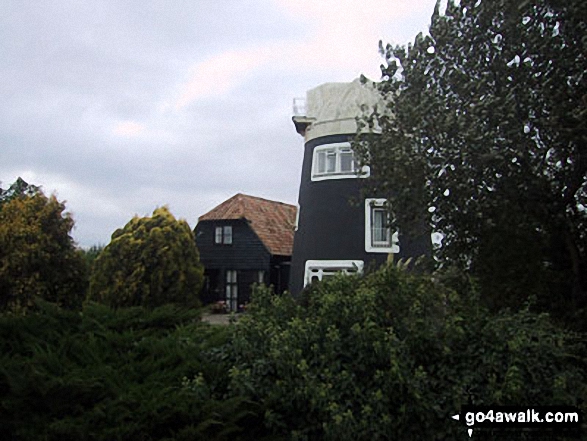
(378, 236)
(231, 290)
(261, 277)
(223, 235)
(335, 161)
(320, 269)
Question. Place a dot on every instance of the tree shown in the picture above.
(150, 262)
(19, 188)
(485, 129)
(38, 257)
(91, 254)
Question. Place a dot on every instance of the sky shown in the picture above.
(120, 107)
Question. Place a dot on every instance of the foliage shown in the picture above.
(149, 262)
(393, 356)
(485, 127)
(37, 254)
(115, 375)
(388, 356)
(91, 254)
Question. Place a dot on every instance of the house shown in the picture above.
(340, 229)
(243, 241)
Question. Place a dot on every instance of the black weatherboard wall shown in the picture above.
(246, 254)
(331, 225)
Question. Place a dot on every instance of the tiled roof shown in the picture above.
(272, 221)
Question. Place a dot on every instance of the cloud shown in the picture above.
(336, 36)
(130, 105)
(220, 74)
(129, 129)
(346, 32)
(367, 12)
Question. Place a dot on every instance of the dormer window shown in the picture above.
(335, 161)
(223, 235)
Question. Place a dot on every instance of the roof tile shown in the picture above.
(272, 221)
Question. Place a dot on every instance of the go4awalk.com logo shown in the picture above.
(555, 419)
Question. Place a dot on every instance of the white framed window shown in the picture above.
(223, 235)
(319, 269)
(378, 235)
(231, 290)
(335, 161)
(261, 277)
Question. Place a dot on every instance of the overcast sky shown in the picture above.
(121, 106)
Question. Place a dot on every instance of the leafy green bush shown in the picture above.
(115, 375)
(392, 356)
(150, 262)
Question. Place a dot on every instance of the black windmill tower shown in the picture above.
(338, 228)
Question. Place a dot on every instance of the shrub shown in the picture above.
(150, 262)
(392, 356)
(115, 375)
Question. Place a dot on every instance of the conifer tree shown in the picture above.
(150, 262)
